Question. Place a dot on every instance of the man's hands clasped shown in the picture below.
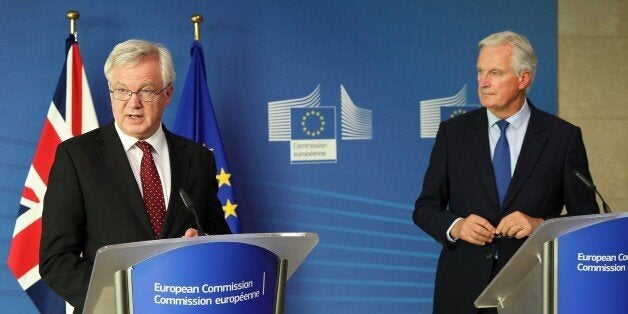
(477, 230)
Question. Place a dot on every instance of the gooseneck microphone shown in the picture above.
(187, 201)
(592, 187)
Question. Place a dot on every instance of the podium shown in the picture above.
(240, 273)
(568, 265)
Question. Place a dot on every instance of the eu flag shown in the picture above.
(447, 112)
(313, 123)
(196, 120)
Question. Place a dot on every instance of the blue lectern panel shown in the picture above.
(592, 269)
(211, 277)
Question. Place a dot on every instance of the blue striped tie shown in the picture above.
(501, 162)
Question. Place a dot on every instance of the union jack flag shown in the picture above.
(71, 113)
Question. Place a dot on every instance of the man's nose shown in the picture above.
(134, 101)
(483, 80)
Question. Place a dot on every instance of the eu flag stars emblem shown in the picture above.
(452, 111)
(313, 135)
(313, 123)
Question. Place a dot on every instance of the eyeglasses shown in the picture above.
(143, 94)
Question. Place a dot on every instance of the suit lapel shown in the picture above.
(531, 150)
(478, 140)
(115, 160)
(179, 170)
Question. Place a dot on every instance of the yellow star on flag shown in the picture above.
(223, 178)
(229, 209)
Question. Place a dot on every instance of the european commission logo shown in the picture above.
(433, 111)
(311, 128)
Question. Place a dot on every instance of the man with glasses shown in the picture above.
(120, 183)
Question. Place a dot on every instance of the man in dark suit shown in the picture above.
(120, 183)
(484, 192)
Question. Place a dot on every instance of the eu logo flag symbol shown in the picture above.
(313, 135)
(313, 123)
(447, 112)
(196, 120)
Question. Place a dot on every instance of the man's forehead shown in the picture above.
(135, 75)
(498, 56)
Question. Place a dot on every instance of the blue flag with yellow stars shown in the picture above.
(447, 112)
(196, 120)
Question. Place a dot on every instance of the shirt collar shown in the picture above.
(157, 140)
(516, 120)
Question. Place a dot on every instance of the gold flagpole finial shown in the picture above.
(72, 16)
(197, 19)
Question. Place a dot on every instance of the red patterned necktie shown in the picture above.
(151, 187)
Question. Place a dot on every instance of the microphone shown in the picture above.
(592, 187)
(187, 201)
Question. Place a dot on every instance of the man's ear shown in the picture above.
(525, 80)
(169, 92)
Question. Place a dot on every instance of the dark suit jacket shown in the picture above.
(459, 181)
(93, 200)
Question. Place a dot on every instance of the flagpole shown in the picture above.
(73, 16)
(197, 19)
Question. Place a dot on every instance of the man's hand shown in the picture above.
(518, 225)
(473, 229)
(191, 232)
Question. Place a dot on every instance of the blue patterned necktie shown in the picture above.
(501, 162)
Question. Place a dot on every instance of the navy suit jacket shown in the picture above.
(93, 200)
(459, 182)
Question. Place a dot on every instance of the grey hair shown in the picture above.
(132, 51)
(524, 58)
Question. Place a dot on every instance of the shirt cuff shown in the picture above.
(449, 238)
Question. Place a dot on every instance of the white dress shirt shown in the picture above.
(160, 154)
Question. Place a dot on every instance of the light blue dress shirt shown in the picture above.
(515, 133)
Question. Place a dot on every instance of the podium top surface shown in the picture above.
(530, 253)
(109, 259)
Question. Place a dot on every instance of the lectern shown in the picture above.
(568, 265)
(241, 273)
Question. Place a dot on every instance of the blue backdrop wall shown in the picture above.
(379, 74)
